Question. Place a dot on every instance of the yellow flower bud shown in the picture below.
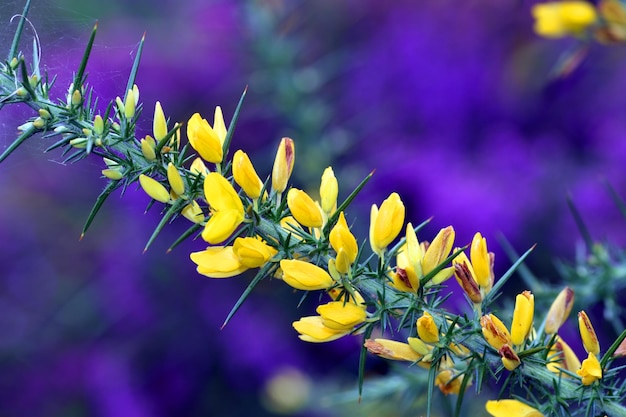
(204, 140)
(563, 18)
(390, 349)
(98, 125)
(218, 124)
(112, 174)
(304, 209)
(419, 346)
(148, 148)
(590, 370)
(130, 104)
(386, 223)
(159, 124)
(494, 331)
(77, 98)
(438, 250)
(175, 180)
(227, 208)
(329, 189)
(198, 167)
(511, 408)
(253, 252)
(245, 176)
(341, 316)
(44, 114)
(341, 238)
(482, 262)
(193, 212)
(588, 334)
(218, 262)
(561, 356)
(559, 310)
(522, 317)
(39, 123)
(283, 164)
(154, 189)
(312, 329)
(305, 276)
(427, 328)
(342, 262)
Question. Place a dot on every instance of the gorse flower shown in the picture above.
(204, 139)
(511, 408)
(386, 223)
(226, 208)
(563, 18)
(305, 276)
(306, 211)
(245, 175)
(283, 165)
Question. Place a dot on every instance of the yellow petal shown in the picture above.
(329, 190)
(159, 125)
(438, 250)
(220, 193)
(391, 349)
(175, 180)
(341, 316)
(218, 124)
(511, 408)
(386, 223)
(522, 317)
(154, 189)
(427, 328)
(204, 139)
(588, 334)
(559, 310)
(494, 331)
(341, 238)
(218, 262)
(312, 329)
(283, 164)
(245, 175)
(193, 212)
(590, 370)
(253, 252)
(481, 261)
(304, 209)
(305, 276)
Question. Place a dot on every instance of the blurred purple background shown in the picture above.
(454, 104)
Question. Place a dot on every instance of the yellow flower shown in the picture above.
(465, 276)
(509, 357)
(312, 329)
(219, 127)
(132, 99)
(588, 334)
(305, 276)
(386, 223)
(329, 190)
(559, 310)
(226, 206)
(218, 262)
(204, 140)
(245, 176)
(193, 212)
(449, 381)
(522, 317)
(342, 240)
(253, 252)
(494, 331)
(159, 125)
(338, 315)
(590, 370)
(482, 262)
(404, 278)
(427, 328)
(306, 211)
(148, 146)
(511, 408)
(197, 167)
(175, 180)
(390, 349)
(563, 18)
(437, 252)
(561, 356)
(283, 164)
(154, 189)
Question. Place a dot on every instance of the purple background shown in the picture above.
(454, 104)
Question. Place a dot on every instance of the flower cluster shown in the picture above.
(390, 289)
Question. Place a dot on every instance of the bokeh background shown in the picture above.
(458, 106)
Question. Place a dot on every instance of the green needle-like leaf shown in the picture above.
(233, 123)
(112, 186)
(133, 71)
(79, 77)
(18, 32)
(17, 142)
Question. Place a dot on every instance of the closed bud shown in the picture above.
(218, 124)
(427, 328)
(245, 175)
(154, 189)
(148, 148)
(559, 310)
(159, 124)
(342, 238)
(130, 103)
(175, 180)
(482, 262)
(44, 114)
(283, 164)
(329, 189)
(304, 209)
(76, 98)
(305, 276)
(112, 174)
(386, 223)
(39, 123)
(588, 334)
(98, 125)
(522, 317)
(193, 212)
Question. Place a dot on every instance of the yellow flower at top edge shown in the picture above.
(511, 408)
(563, 18)
(204, 139)
(386, 223)
(226, 207)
